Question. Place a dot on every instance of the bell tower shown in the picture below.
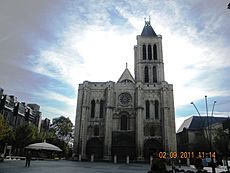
(148, 56)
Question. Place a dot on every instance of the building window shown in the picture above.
(146, 75)
(92, 108)
(149, 52)
(147, 108)
(154, 74)
(144, 52)
(102, 108)
(96, 131)
(124, 121)
(155, 52)
(156, 109)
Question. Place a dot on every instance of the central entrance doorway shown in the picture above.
(123, 145)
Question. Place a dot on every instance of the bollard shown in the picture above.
(188, 162)
(127, 159)
(151, 160)
(92, 157)
(179, 161)
(5, 148)
(115, 159)
(79, 158)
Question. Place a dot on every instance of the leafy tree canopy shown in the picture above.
(25, 134)
(221, 141)
(63, 128)
(4, 128)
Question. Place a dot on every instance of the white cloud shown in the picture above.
(59, 97)
(53, 112)
(103, 49)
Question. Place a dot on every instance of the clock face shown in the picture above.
(125, 99)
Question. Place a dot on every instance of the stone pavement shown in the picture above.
(62, 166)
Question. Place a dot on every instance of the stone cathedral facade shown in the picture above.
(133, 116)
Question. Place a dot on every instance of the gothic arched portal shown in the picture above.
(123, 145)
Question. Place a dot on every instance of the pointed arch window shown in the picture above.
(92, 108)
(146, 73)
(155, 52)
(154, 74)
(124, 122)
(96, 131)
(144, 52)
(147, 109)
(102, 103)
(149, 52)
(156, 105)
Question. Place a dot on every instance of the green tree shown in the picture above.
(62, 127)
(221, 143)
(6, 133)
(46, 135)
(4, 128)
(24, 135)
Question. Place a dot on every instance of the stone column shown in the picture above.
(172, 120)
(139, 125)
(78, 122)
(83, 131)
(108, 135)
(165, 121)
(108, 124)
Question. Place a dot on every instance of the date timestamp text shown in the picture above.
(186, 154)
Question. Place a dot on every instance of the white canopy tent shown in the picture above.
(43, 146)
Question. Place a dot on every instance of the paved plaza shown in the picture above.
(61, 166)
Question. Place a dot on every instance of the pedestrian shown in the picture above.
(28, 158)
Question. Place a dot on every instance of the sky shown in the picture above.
(47, 48)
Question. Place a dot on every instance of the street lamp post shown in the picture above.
(208, 132)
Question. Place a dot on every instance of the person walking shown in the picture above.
(28, 158)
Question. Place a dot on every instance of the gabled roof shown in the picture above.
(148, 30)
(198, 122)
(126, 77)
